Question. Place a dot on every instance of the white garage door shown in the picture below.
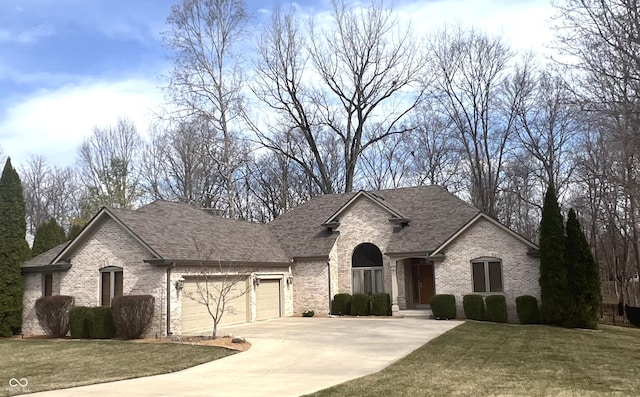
(268, 299)
(195, 317)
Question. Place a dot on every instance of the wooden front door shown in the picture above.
(423, 284)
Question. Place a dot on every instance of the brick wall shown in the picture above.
(311, 287)
(110, 245)
(484, 239)
(362, 222)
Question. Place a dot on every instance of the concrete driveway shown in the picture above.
(289, 357)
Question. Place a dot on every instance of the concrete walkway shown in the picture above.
(289, 357)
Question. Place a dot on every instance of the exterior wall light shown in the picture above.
(289, 280)
(256, 281)
(180, 283)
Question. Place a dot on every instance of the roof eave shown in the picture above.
(57, 267)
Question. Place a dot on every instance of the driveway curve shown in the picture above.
(289, 357)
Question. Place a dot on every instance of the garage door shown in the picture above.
(268, 299)
(195, 317)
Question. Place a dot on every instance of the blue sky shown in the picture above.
(68, 65)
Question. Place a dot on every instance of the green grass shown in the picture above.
(482, 359)
(54, 364)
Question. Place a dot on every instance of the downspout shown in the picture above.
(329, 279)
(169, 298)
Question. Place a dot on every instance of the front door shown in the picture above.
(423, 284)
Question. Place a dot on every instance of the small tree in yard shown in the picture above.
(217, 286)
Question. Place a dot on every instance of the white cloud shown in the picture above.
(53, 123)
(28, 36)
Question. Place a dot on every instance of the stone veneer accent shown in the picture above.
(520, 272)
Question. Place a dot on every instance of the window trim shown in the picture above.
(485, 260)
(112, 270)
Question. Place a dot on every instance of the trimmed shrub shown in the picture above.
(360, 305)
(496, 308)
(53, 314)
(101, 323)
(308, 313)
(473, 307)
(381, 304)
(633, 314)
(132, 315)
(443, 306)
(341, 304)
(527, 307)
(79, 322)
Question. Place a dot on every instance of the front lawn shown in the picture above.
(482, 359)
(54, 364)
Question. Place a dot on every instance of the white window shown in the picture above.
(367, 280)
(487, 275)
(110, 284)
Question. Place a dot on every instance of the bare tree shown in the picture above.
(602, 41)
(50, 192)
(108, 164)
(354, 80)
(471, 88)
(218, 286)
(206, 80)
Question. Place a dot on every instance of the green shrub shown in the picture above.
(473, 307)
(381, 304)
(79, 322)
(360, 305)
(101, 324)
(53, 314)
(132, 315)
(527, 308)
(341, 304)
(308, 313)
(443, 306)
(496, 308)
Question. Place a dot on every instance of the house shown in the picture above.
(410, 242)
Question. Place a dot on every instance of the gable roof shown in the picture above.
(176, 232)
(430, 216)
(395, 214)
(434, 214)
(533, 247)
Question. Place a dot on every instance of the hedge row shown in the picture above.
(129, 317)
(361, 305)
(443, 306)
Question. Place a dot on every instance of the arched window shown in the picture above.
(487, 275)
(366, 269)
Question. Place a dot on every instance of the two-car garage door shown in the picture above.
(196, 320)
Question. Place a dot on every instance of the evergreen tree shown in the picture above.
(14, 250)
(584, 280)
(553, 274)
(76, 227)
(48, 235)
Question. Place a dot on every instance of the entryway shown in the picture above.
(422, 283)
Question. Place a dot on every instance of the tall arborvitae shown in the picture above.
(584, 280)
(553, 274)
(14, 250)
(48, 235)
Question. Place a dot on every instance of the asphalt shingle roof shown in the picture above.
(181, 232)
(176, 231)
(435, 216)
